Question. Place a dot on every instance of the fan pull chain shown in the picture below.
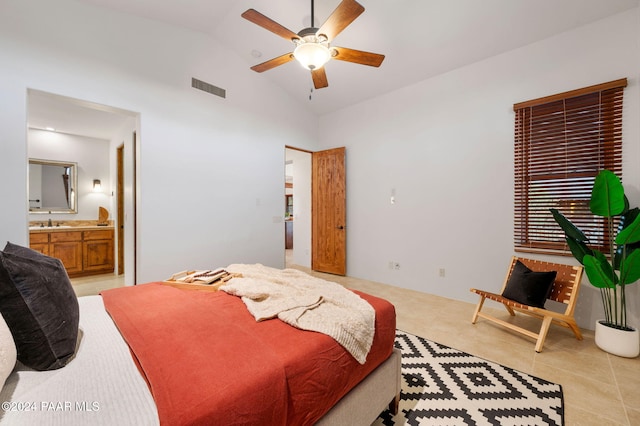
(310, 93)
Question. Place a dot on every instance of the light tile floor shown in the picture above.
(599, 389)
(86, 286)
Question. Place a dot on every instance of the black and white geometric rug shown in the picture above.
(444, 386)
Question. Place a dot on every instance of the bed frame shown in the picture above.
(364, 403)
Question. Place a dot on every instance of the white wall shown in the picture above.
(92, 157)
(210, 169)
(445, 147)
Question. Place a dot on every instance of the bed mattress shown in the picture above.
(102, 385)
(207, 359)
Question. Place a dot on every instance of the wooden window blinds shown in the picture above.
(561, 143)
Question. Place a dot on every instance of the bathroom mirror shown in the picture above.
(52, 186)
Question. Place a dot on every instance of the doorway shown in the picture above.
(315, 184)
(297, 207)
(87, 122)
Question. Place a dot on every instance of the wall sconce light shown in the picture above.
(97, 187)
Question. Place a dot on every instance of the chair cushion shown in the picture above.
(528, 287)
(40, 307)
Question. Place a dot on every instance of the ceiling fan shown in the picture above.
(312, 45)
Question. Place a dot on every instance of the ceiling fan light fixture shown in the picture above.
(312, 54)
(313, 44)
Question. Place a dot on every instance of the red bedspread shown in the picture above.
(207, 361)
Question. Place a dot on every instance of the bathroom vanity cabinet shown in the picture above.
(82, 251)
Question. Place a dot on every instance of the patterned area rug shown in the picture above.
(444, 386)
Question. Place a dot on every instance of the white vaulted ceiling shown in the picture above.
(420, 38)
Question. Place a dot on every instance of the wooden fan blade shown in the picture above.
(272, 63)
(345, 13)
(357, 56)
(269, 24)
(319, 77)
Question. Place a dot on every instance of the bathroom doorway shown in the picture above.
(89, 125)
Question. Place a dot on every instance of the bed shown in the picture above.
(204, 360)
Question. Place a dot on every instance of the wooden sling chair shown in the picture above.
(564, 289)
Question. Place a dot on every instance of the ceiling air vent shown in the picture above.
(209, 88)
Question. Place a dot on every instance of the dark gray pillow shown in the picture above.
(528, 287)
(40, 307)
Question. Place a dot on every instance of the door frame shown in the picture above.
(342, 270)
(302, 207)
(120, 207)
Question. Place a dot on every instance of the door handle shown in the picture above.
(339, 227)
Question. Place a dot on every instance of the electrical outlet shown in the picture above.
(441, 272)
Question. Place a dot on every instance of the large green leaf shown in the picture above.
(599, 270)
(607, 196)
(578, 249)
(630, 268)
(569, 228)
(630, 232)
(625, 220)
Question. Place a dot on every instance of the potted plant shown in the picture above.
(611, 274)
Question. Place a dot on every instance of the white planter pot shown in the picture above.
(618, 342)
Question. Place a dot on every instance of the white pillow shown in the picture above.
(8, 352)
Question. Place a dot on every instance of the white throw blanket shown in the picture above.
(307, 303)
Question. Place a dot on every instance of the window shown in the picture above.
(561, 143)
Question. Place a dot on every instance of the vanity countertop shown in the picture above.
(68, 225)
(68, 228)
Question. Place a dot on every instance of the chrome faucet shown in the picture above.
(49, 224)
